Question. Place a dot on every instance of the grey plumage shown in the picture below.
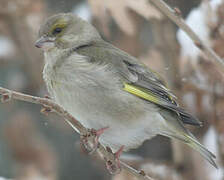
(86, 76)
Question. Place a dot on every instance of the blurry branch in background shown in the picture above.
(163, 56)
(202, 80)
(19, 22)
(20, 19)
(175, 16)
(119, 10)
(50, 106)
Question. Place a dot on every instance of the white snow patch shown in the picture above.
(198, 21)
(215, 3)
(210, 142)
(83, 11)
(2, 178)
(6, 47)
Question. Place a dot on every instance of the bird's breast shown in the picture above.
(95, 98)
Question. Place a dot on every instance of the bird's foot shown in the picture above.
(47, 97)
(90, 141)
(114, 167)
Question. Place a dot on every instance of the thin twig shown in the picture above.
(9, 94)
(175, 16)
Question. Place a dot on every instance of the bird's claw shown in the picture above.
(6, 97)
(90, 140)
(47, 97)
(114, 167)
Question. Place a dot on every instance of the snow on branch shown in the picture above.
(175, 16)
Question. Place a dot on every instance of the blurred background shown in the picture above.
(38, 147)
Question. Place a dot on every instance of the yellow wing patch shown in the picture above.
(140, 92)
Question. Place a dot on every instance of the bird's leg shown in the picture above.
(97, 134)
(114, 167)
(46, 96)
(90, 140)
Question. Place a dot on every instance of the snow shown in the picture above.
(198, 20)
(210, 141)
(1, 178)
(6, 47)
(215, 3)
(83, 11)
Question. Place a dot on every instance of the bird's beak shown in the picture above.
(45, 43)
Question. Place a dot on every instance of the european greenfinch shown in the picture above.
(103, 86)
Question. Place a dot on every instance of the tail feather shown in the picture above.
(175, 129)
(202, 150)
(193, 143)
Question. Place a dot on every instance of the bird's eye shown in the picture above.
(57, 31)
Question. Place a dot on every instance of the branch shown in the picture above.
(51, 106)
(175, 16)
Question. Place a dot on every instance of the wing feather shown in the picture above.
(149, 95)
(138, 79)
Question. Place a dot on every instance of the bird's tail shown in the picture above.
(191, 141)
(176, 130)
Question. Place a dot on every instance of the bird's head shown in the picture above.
(64, 31)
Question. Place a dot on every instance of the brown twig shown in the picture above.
(178, 20)
(49, 104)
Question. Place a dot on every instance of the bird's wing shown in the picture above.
(139, 80)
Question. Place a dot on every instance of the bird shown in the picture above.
(103, 86)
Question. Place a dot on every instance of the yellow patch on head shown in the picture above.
(59, 24)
